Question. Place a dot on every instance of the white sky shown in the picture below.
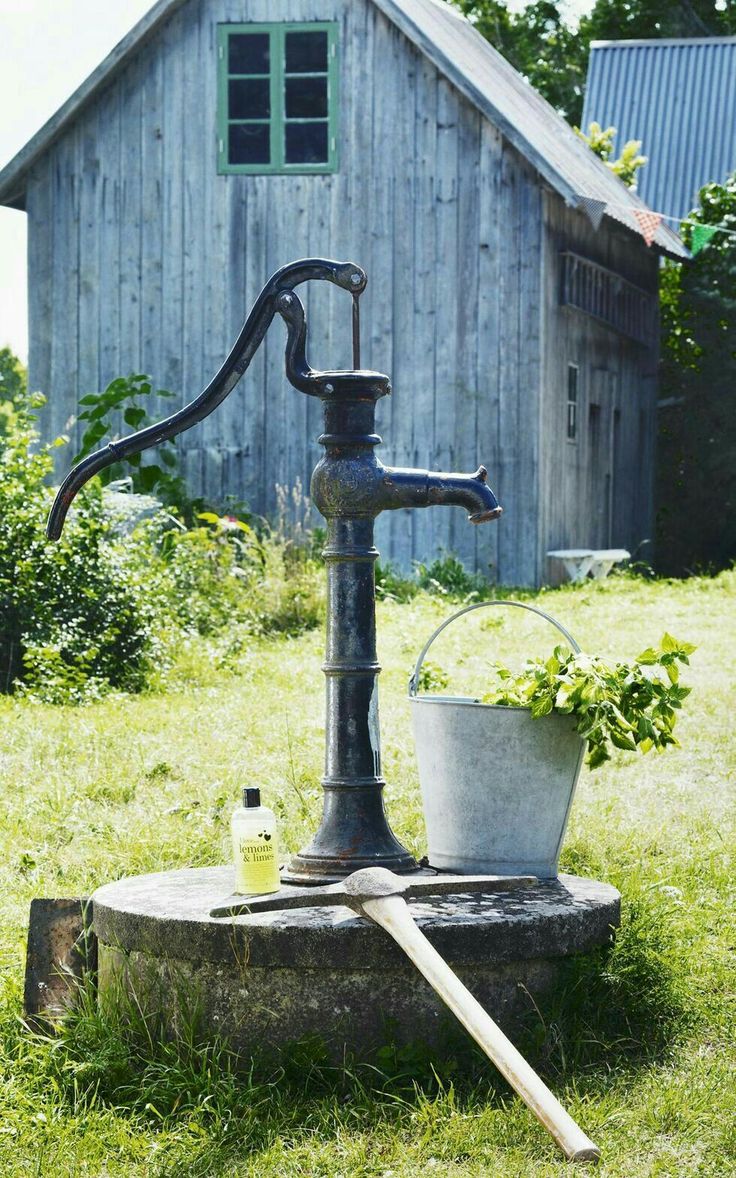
(47, 48)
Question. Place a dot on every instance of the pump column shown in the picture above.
(354, 831)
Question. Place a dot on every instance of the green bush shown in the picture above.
(94, 612)
(154, 471)
(392, 585)
(12, 387)
(97, 611)
(223, 575)
(200, 573)
(74, 621)
(448, 577)
(290, 596)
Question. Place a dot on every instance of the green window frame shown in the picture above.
(272, 105)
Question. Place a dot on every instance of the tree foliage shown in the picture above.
(697, 443)
(546, 47)
(618, 20)
(12, 387)
(602, 142)
(540, 44)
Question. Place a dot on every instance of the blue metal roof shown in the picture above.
(679, 98)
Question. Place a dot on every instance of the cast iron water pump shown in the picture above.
(350, 487)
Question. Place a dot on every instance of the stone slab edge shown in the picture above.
(166, 915)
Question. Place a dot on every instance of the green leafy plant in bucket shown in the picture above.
(630, 705)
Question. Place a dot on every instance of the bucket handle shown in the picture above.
(414, 681)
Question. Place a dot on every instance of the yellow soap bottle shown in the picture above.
(255, 846)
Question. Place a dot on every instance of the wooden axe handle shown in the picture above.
(393, 915)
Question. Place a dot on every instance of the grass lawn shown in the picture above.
(639, 1043)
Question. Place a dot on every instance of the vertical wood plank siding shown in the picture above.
(109, 286)
(143, 258)
(597, 490)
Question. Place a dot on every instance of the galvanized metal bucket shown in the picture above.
(497, 785)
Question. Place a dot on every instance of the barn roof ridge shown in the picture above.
(459, 52)
(663, 42)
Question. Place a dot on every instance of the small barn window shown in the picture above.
(572, 402)
(277, 97)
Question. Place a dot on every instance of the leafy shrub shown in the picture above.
(73, 615)
(12, 387)
(631, 705)
(448, 577)
(89, 613)
(154, 471)
(222, 575)
(392, 586)
(201, 572)
(290, 597)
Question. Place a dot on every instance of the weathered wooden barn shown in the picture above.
(216, 143)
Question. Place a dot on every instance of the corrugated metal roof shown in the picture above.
(467, 60)
(679, 98)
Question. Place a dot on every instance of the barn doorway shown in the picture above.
(604, 417)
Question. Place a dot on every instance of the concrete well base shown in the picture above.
(267, 980)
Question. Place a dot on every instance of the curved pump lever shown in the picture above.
(343, 274)
(299, 372)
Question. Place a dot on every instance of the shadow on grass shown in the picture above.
(618, 1009)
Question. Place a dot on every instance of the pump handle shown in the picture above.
(343, 274)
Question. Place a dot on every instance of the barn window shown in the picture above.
(572, 402)
(277, 97)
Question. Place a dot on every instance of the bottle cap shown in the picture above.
(251, 797)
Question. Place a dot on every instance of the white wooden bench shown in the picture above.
(598, 562)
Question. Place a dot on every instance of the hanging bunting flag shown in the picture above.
(594, 209)
(701, 236)
(649, 223)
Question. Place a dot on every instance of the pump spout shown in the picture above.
(424, 488)
(360, 485)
